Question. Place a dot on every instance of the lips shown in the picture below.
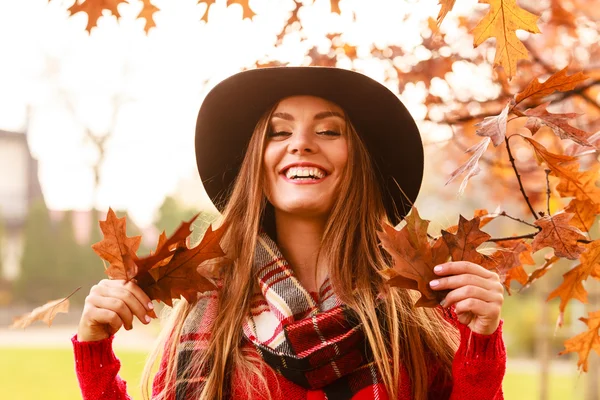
(304, 172)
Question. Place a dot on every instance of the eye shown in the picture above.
(279, 134)
(329, 133)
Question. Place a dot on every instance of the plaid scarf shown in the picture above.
(317, 344)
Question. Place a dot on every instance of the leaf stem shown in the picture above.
(504, 214)
(512, 162)
(505, 239)
(547, 171)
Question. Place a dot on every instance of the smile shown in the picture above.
(304, 173)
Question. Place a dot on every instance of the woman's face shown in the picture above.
(305, 155)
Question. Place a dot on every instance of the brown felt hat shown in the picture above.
(230, 111)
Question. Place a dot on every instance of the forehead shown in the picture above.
(306, 103)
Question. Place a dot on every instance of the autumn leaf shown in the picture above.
(94, 9)
(494, 127)
(335, 7)
(247, 11)
(579, 184)
(471, 167)
(553, 160)
(444, 10)
(559, 123)
(147, 13)
(485, 217)
(557, 233)
(414, 258)
(463, 245)
(541, 271)
(45, 313)
(584, 213)
(577, 150)
(116, 248)
(502, 21)
(585, 342)
(184, 275)
(572, 287)
(509, 260)
(557, 82)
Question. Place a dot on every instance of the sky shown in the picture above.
(58, 82)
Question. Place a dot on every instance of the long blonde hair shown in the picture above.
(398, 334)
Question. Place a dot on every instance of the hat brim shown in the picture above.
(230, 111)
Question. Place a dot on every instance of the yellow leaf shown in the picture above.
(502, 22)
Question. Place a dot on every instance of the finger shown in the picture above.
(103, 316)
(463, 267)
(116, 306)
(129, 292)
(456, 281)
(477, 307)
(472, 292)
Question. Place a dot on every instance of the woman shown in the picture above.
(306, 165)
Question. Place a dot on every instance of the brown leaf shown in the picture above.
(562, 18)
(471, 167)
(570, 288)
(585, 342)
(554, 161)
(541, 271)
(509, 260)
(463, 245)
(484, 218)
(559, 124)
(579, 184)
(560, 235)
(45, 313)
(184, 274)
(414, 258)
(502, 21)
(557, 82)
(116, 248)
(494, 127)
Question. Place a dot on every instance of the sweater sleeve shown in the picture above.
(97, 370)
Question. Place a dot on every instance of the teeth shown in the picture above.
(304, 172)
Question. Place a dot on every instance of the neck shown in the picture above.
(299, 240)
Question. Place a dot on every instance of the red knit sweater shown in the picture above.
(477, 373)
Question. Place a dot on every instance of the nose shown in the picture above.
(302, 142)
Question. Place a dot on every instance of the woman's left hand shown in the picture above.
(476, 293)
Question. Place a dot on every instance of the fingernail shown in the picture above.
(148, 319)
(437, 268)
(434, 283)
(443, 303)
(150, 306)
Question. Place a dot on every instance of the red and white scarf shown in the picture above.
(311, 340)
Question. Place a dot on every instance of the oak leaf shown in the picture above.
(335, 7)
(554, 161)
(147, 13)
(585, 342)
(247, 11)
(541, 271)
(471, 167)
(510, 258)
(184, 275)
(94, 9)
(557, 233)
(45, 313)
(447, 6)
(463, 245)
(557, 82)
(584, 213)
(502, 21)
(414, 258)
(558, 123)
(579, 184)
(494, 127)
(116, 248)
(485, 217)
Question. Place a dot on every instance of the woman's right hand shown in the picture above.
(110, 305)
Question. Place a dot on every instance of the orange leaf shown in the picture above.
(471, 167)
(584, 213)
(585, 342)
(560, 235)
(554, 161)
(94, 8)
(444, 10)
(147, 13)
(559, 124)
(45, 313)
(502, 22)
(184, 274)
(414, 258)
(463, 245)
(579, 184)
(557, 82)
(494, 127)
(248, 13)
(116, 248)
(335, 7)
(541, 271)
(509, 260)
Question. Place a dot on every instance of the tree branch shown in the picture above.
(512, 161)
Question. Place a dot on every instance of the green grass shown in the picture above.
(28, 374)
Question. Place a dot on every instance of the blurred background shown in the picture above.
(91, 121)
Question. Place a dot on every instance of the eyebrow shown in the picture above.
(318, 116)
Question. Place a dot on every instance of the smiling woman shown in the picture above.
(306, 171)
